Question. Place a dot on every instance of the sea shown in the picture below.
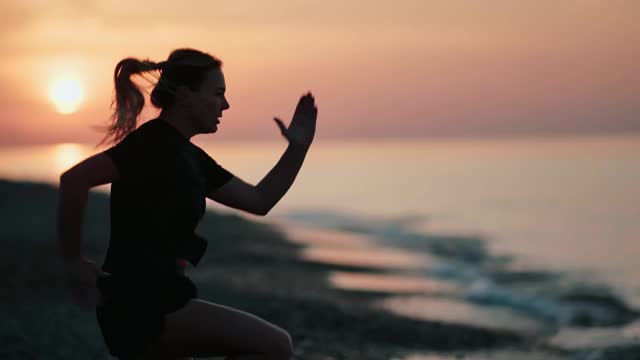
(526, 223)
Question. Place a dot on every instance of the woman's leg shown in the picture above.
(205, 329)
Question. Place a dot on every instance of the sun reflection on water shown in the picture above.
(43, 163)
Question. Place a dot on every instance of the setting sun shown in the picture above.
(66, 94)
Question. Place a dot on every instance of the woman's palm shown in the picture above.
(303, 124)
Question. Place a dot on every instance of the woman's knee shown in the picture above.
(280, 345)
(203, 329)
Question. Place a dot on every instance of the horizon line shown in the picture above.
(369, 138)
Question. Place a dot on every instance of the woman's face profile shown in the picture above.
(204, 107)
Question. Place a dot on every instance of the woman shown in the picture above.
(145, 305)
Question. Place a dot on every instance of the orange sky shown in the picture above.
(378, 69)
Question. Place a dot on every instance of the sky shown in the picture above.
(399, 69)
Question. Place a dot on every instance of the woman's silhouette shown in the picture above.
(145, 305)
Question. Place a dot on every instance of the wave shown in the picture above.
(561, 299)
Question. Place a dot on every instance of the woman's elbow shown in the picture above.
(262, 209)
(93, 171)
(69, 178)
(261, 212)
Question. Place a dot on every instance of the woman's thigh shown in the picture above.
(204, 329)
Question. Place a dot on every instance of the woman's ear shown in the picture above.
(183, 91)
(183, 94)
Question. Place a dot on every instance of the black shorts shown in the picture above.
(132, 314)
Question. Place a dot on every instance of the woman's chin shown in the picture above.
(210, 128)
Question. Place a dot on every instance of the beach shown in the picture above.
(340, 294)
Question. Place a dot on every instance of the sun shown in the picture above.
(66, 94)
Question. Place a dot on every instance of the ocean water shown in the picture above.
(559, 204)
(565, 205)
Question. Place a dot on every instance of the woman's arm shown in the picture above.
(278, 181)
(72, 200)
(300, 135)
(74, 188)
(260, 199)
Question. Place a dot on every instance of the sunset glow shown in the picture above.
(66, 94)
(411, 69)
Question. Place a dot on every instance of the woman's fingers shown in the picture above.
(302, 126)
(306, 110)
(306, 102)
(283, 128)
(280, 124)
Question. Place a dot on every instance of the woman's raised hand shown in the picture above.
(303, 125)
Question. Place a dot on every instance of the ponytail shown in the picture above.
(128, 99)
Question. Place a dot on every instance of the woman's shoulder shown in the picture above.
(202, 155)
(146, 135)
(148, 128)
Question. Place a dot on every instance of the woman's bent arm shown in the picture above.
(300, 135)
(278, 181)
(72, 201)
(73, 193)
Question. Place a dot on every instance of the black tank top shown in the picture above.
(158, 200)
